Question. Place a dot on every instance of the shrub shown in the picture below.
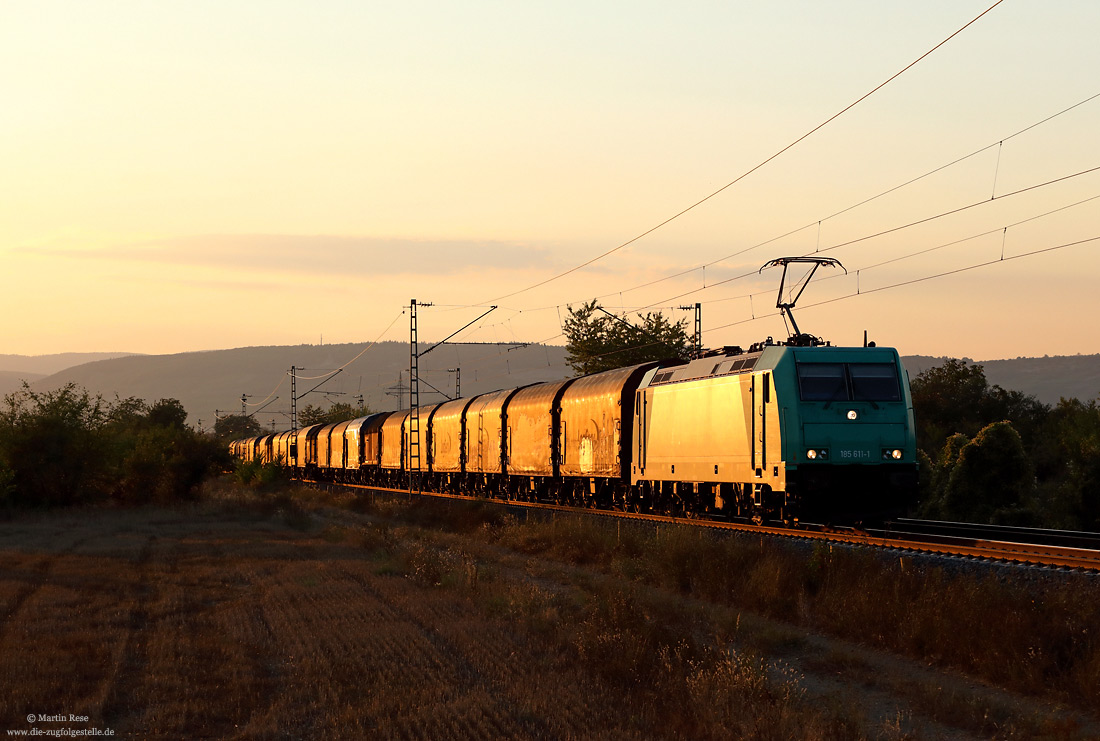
(260, 475)
(66, 447)
(991, 478)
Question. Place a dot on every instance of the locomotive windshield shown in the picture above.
(822, 382)
(874, 382)
(848, 382)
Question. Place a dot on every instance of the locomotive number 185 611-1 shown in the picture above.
(855, 454)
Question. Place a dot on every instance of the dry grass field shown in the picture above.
(331, 616)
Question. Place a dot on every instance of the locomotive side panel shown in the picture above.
(768, 423)
(697, 431)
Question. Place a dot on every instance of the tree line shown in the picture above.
(68, 447)
(992, 455)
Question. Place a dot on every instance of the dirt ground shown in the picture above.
(223, 620)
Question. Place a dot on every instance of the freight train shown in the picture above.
(780, 432)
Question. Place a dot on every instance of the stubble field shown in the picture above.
(331, 616)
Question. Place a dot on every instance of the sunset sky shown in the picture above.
(201, 175)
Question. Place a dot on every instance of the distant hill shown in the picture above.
(1047, 378)
(44, 365)
(214, 380)
(13, 380)
(14, 369)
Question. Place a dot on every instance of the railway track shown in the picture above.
(1029, 546)
(1009, 533)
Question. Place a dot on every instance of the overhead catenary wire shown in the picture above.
(901, 284)
(862, 269)
(967, 268)
(258, 403)
(1003, 228)
(749, 296)
(753, 169)
(943, 214)
(359, 355)
(282, 380)
(865, 201)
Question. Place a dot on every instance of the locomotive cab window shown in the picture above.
(822, 382)
(848, 382)
(874, 382)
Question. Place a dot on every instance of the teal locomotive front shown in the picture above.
(848, 437)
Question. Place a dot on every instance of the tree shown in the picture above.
(168, 413)
(50, 443)
(339, 412)
(992, 479)
(985, 479)
(68, 447)
(596, 342)
(947, 399)
(235, 426)
(1074, 488)
(956, 398)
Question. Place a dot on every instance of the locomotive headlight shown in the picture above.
(811, 454)
(895, 454)
(853, 414)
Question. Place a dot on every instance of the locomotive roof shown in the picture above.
(734, 362)
(708, 367)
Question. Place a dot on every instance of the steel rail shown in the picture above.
(1011, 533)
(1035, 554)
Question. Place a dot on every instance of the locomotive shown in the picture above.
(784, 431)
